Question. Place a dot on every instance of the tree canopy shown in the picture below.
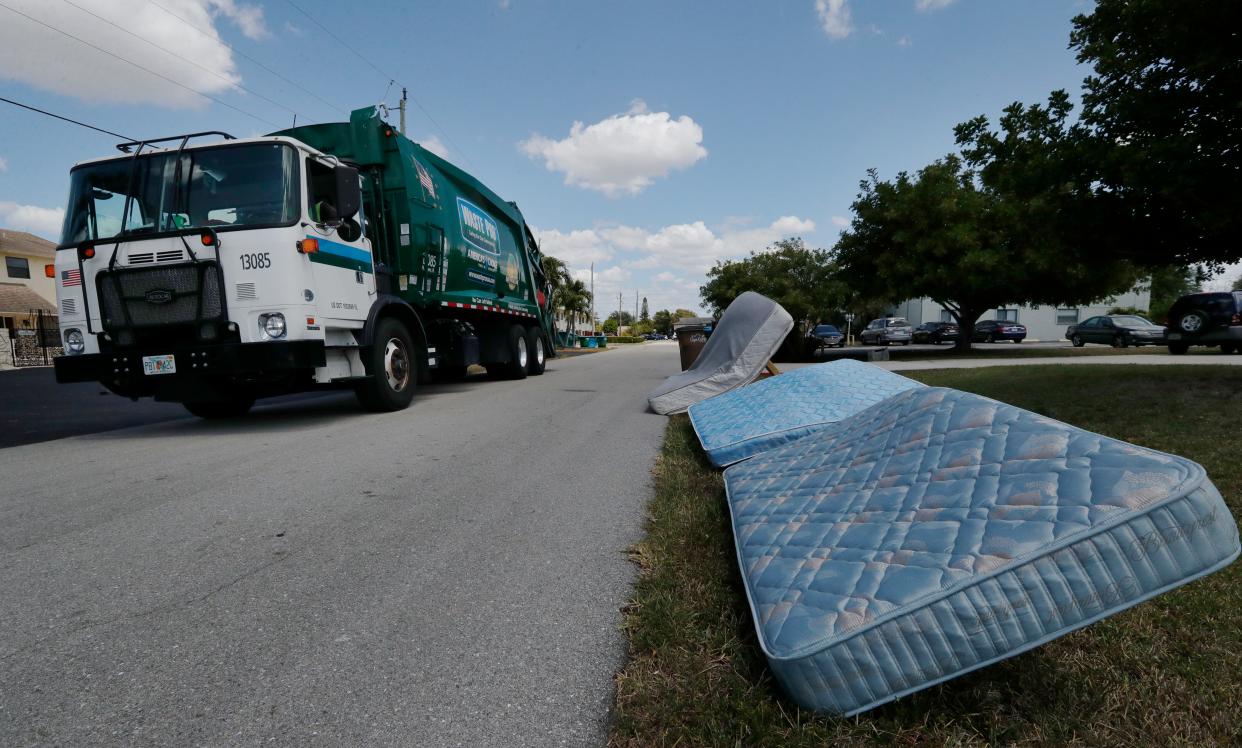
(1164, 112)
(944, 234)
(791, 274)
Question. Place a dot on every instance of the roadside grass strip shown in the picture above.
(1167, 672)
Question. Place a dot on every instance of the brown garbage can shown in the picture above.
(690, 341)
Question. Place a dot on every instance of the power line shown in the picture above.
(339, 40)
(379, 70)
(140, 67)
(66, 119)
(222, 77)
(240, 53)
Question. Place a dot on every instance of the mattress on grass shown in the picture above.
(762, 416)
(939, 531)
(744, 340)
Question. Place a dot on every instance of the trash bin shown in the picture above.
(690, 341)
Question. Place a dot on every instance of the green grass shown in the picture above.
(1167, 672)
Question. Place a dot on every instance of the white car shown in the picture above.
(886, 331)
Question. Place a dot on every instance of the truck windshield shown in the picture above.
(234, 185)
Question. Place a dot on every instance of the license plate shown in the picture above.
(152, 365)
(1175, 336)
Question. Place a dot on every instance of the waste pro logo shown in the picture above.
(477, 227)
(158, 296)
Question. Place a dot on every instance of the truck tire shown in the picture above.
(393, 368)
(536, 351)
(519, 354)
(235, 407)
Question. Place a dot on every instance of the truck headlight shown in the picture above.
(272, 325)
(74, 342)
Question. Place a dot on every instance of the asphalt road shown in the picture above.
(447, 575)
(44, 410)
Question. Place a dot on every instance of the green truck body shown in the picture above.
(445, 240)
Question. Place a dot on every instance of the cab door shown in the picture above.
(344, 264)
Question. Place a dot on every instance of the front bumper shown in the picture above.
(122, 370)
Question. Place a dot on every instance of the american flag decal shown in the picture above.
(71, 277)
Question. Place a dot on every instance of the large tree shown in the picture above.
(943, 234)
(662, 321)
(789, 273)
(1164, 107)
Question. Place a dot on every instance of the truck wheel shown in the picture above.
(233, 408)
(393, 369)
(519, 354)
(536, 351)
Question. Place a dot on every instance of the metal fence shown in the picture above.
(35, 340)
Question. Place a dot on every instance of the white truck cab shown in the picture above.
(212, 274)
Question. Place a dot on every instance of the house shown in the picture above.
(1042, 322)
(23, 257)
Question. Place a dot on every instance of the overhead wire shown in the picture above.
(178, 55)
(381, 71)
(66, 119)
(140, 67)
(216, 38)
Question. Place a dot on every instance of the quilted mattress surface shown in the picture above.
(939, 531)
(746, 336)
(771, 412)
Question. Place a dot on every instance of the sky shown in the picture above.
(651, 139)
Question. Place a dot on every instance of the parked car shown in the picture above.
(935, 332)
(1209, 319)
(825, 336)
(886, 331)
(1117, 330)
(992, 330)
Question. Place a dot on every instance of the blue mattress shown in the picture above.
(775, 411)
(940, 531)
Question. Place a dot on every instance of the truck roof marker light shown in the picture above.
(308, 246)
(388, 132)
(208, 239)
(310, 321)
(87, 252)
(49, 271)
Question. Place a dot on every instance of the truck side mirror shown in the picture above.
(348, 192)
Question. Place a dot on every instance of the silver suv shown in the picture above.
(887, 331)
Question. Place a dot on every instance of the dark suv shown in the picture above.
(1206, 319)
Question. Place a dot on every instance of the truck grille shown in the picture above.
(161, 295)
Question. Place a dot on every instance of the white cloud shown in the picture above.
(904, 41)
(621, 154)
(248, 18)
(504, 4)
(835, 17)
(840, 221)
(293, 29)
(925, 6)
(668, 264)
(4, 165)
(42, 221)
(39, 56)
(578, 248)
(435, 145)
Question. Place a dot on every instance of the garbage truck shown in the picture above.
(211, 270)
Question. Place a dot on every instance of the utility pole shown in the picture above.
(403, 98)
(592, 298)
(620, 305)
(635, 306)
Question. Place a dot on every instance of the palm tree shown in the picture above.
(575, 300)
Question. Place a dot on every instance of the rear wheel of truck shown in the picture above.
(536, 351)
(519, 354)
(233, 408)
(393, 369)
